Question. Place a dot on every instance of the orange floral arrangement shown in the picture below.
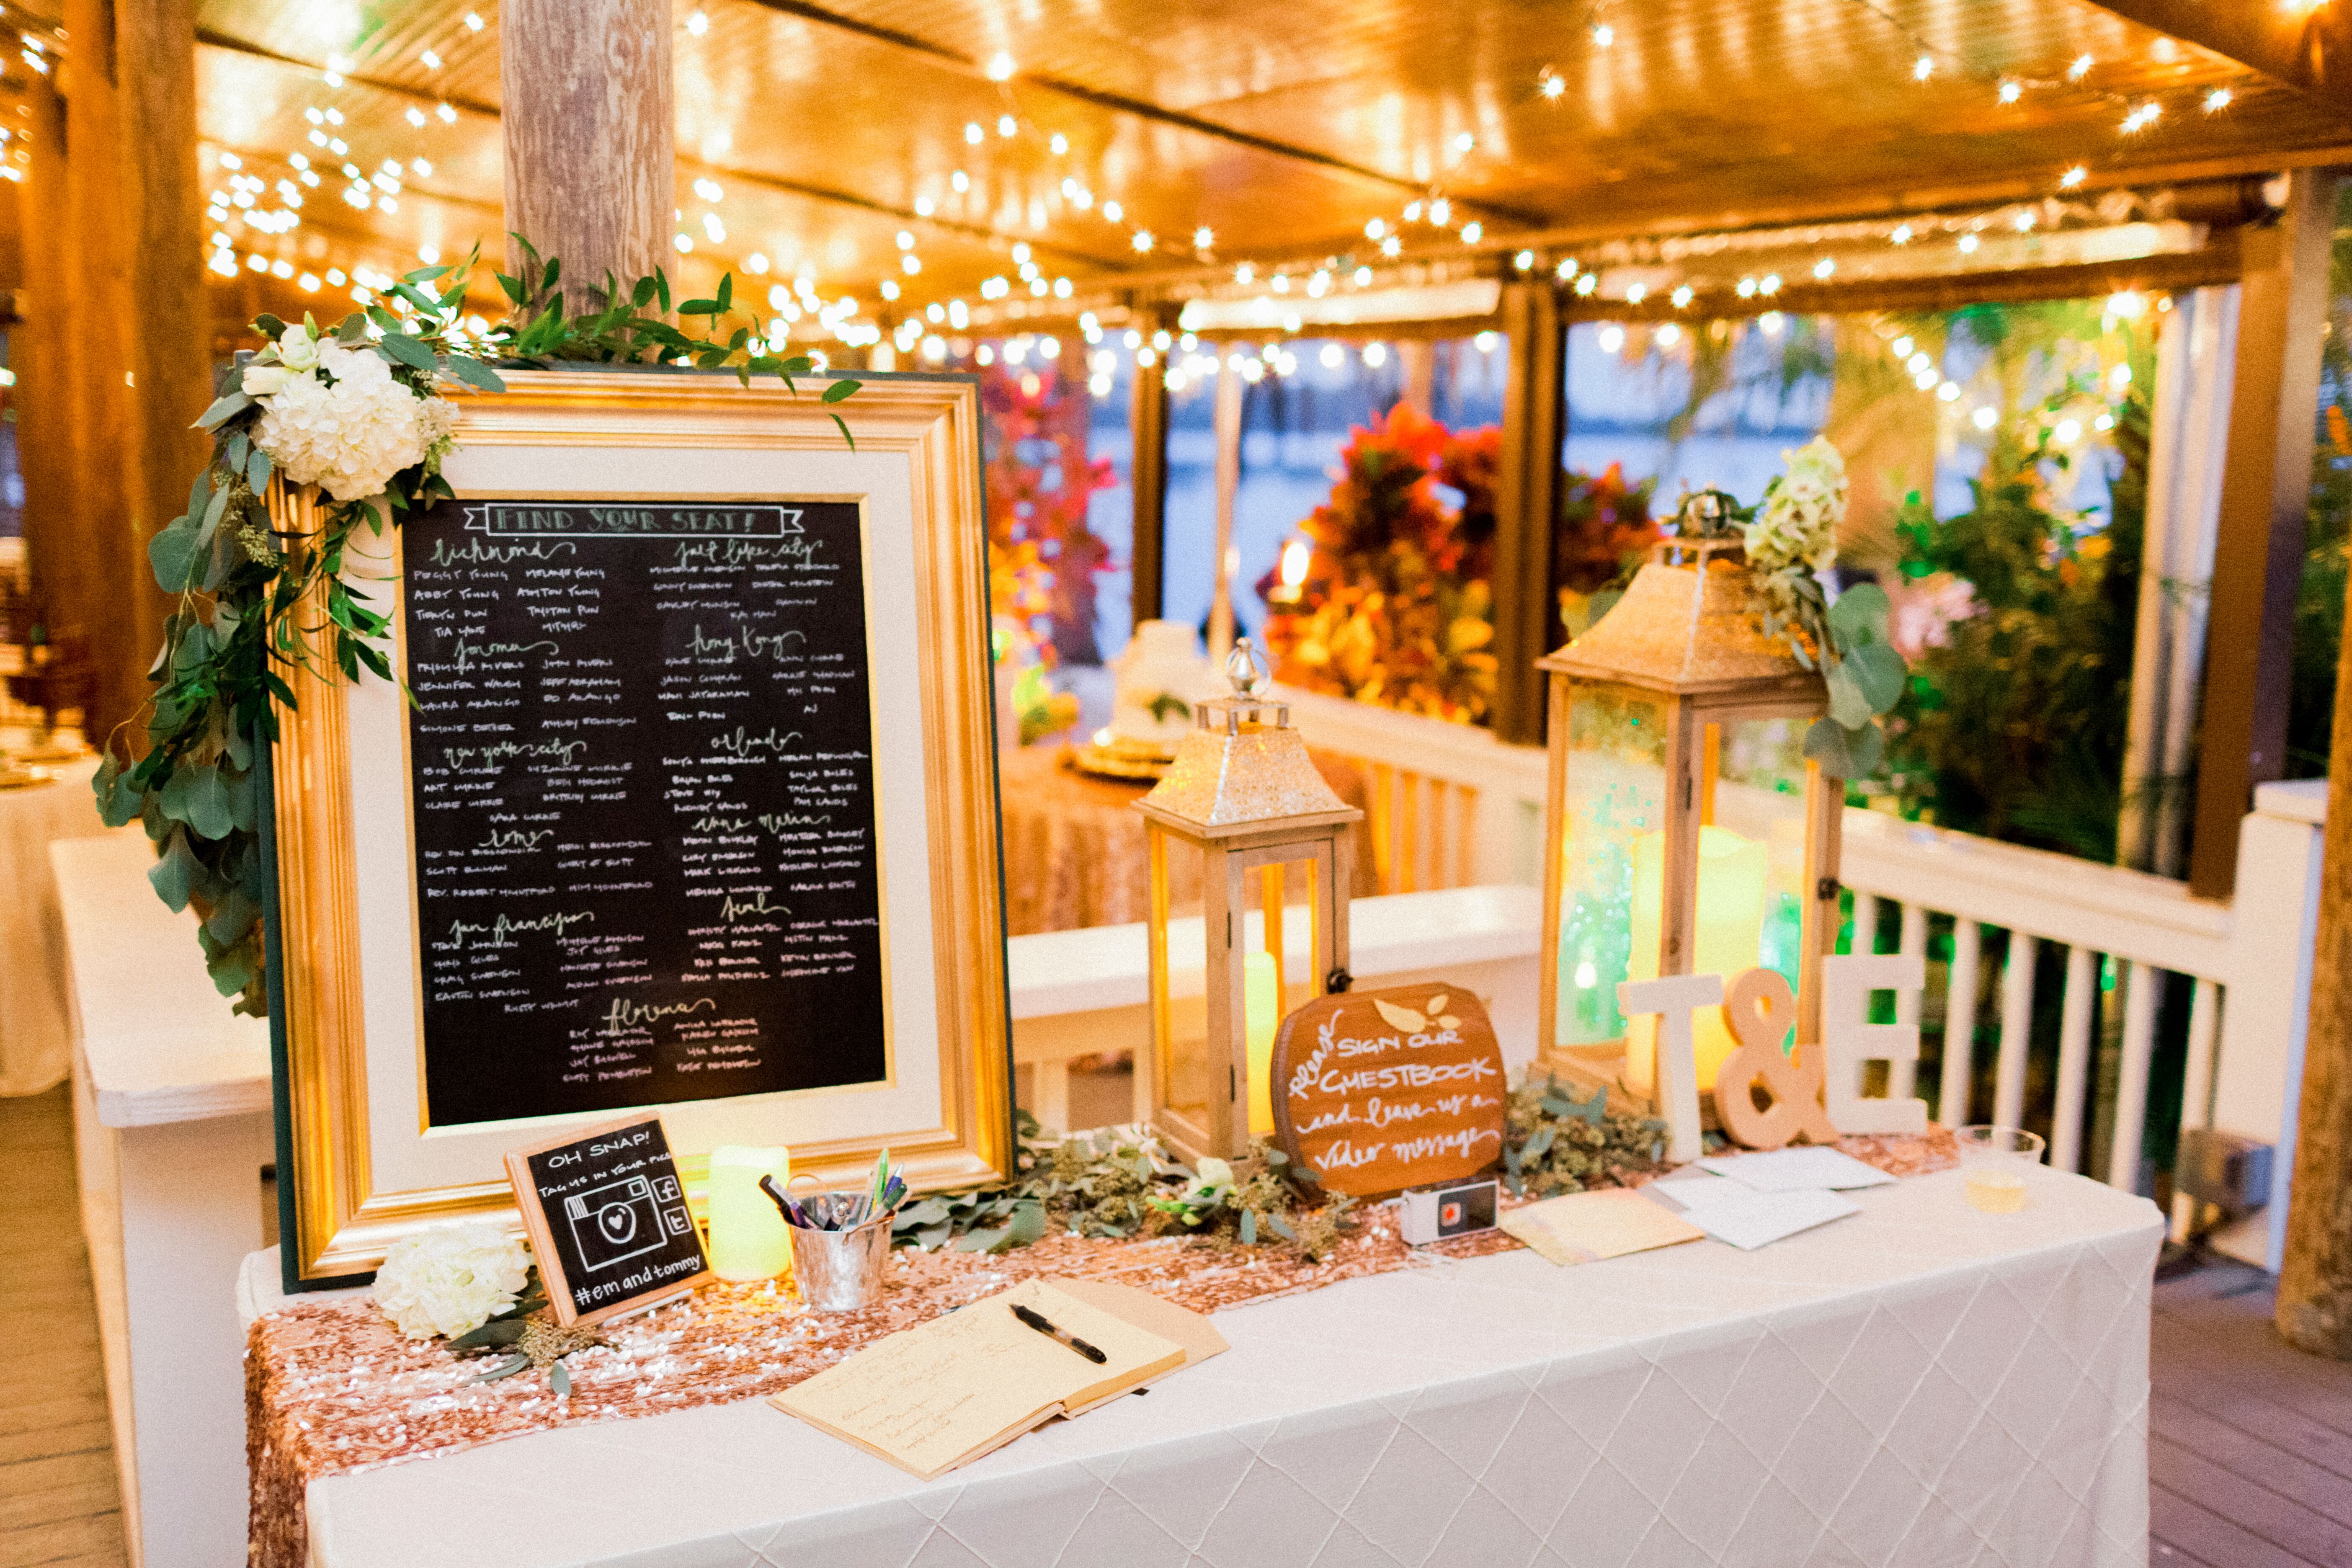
(1042, 558)
(1397, 608)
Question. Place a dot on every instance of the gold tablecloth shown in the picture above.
(1074, 848)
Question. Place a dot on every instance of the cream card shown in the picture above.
(1585, 1228)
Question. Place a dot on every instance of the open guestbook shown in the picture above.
(931, 1398)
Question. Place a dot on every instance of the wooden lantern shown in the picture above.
(1642, 880)
(1245, 794)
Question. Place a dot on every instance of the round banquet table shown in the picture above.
(36, 1029)
(1074, 846)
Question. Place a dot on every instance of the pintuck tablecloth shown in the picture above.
(36, 1026)
(1920, 1384)
(1074, 853)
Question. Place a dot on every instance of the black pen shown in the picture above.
(1045, 1325)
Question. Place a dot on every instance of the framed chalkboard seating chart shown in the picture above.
(691, 808)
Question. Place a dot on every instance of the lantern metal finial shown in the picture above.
(1245, 668)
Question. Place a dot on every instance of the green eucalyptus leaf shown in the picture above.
(559, 1381)
(234, 450)
(505, 1369)
(497, 1332)
(408, 350)
(1249, 1227)
(1860, 612)
(172, 554)
(1848, 704)
(225, 408)
(474, 373)
(1028, 1223)
(1880, 672)
(1845, 753)
(841, 390)
(257, 471)
(174, 876)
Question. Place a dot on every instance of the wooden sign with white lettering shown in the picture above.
(1380, 1090)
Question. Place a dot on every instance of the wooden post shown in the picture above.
(2314, 1291)
(171, 362)
(590, 137)
(1147, 429)
(1526, 505)
(101, 310)
(1228, 412)
(2265, 493)
(41, 349)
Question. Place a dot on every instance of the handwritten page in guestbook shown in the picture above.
(644, 804)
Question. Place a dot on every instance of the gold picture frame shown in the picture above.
(360, 1168)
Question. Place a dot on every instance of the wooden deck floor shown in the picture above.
(2250, 1446)
(58, 1498)
(2250, 1441)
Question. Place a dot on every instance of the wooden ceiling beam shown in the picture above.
(2307, 48)
(1120, 103)
(214, 38)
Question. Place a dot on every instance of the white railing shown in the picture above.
(1448, 805)
(2027, 898)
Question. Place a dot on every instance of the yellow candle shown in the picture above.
(1733, 876)
(748, 1237)
(1261, 1001)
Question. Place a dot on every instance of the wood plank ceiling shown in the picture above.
(844, 137)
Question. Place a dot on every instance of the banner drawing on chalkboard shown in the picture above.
(641, 750)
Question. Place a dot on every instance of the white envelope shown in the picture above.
(1750, 1222)
(1791, 1170)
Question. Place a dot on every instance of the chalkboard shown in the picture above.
(1380, 1090)
(608, 1220)
(642, 761)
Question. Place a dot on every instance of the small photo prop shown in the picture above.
(608, 1220)
(1379, 1090)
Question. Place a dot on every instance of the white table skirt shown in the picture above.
(1920, 1384)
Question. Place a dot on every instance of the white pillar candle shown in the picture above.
(749, 1239)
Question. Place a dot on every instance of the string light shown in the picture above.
(1000, 66)
(2217, 100)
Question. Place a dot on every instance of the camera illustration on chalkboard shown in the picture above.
(617, 1222)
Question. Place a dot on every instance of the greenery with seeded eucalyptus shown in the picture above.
(242, 621)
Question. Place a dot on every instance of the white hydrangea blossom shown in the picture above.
(1798, 523)
(348, 437)
(451, 1282)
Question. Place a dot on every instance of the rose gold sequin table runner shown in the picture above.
(330, 1388)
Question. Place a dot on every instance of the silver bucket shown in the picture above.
(841, 1270)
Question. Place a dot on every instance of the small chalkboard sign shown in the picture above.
(1380, 1090)
(608, 1220)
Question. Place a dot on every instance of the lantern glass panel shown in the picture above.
(1616, 792)
(1279, 908)
(1760, 794)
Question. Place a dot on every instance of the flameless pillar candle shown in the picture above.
(1262, 1001)
(1733, 876)
(748, 1237)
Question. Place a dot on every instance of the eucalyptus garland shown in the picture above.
(354, 410)
(1791, 538)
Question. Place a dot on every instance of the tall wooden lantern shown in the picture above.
(1244, 796)
(1684, 832)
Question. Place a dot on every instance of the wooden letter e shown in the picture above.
(1849, 1039)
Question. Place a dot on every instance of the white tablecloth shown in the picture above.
(36, 1023)
(1920, 1384)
